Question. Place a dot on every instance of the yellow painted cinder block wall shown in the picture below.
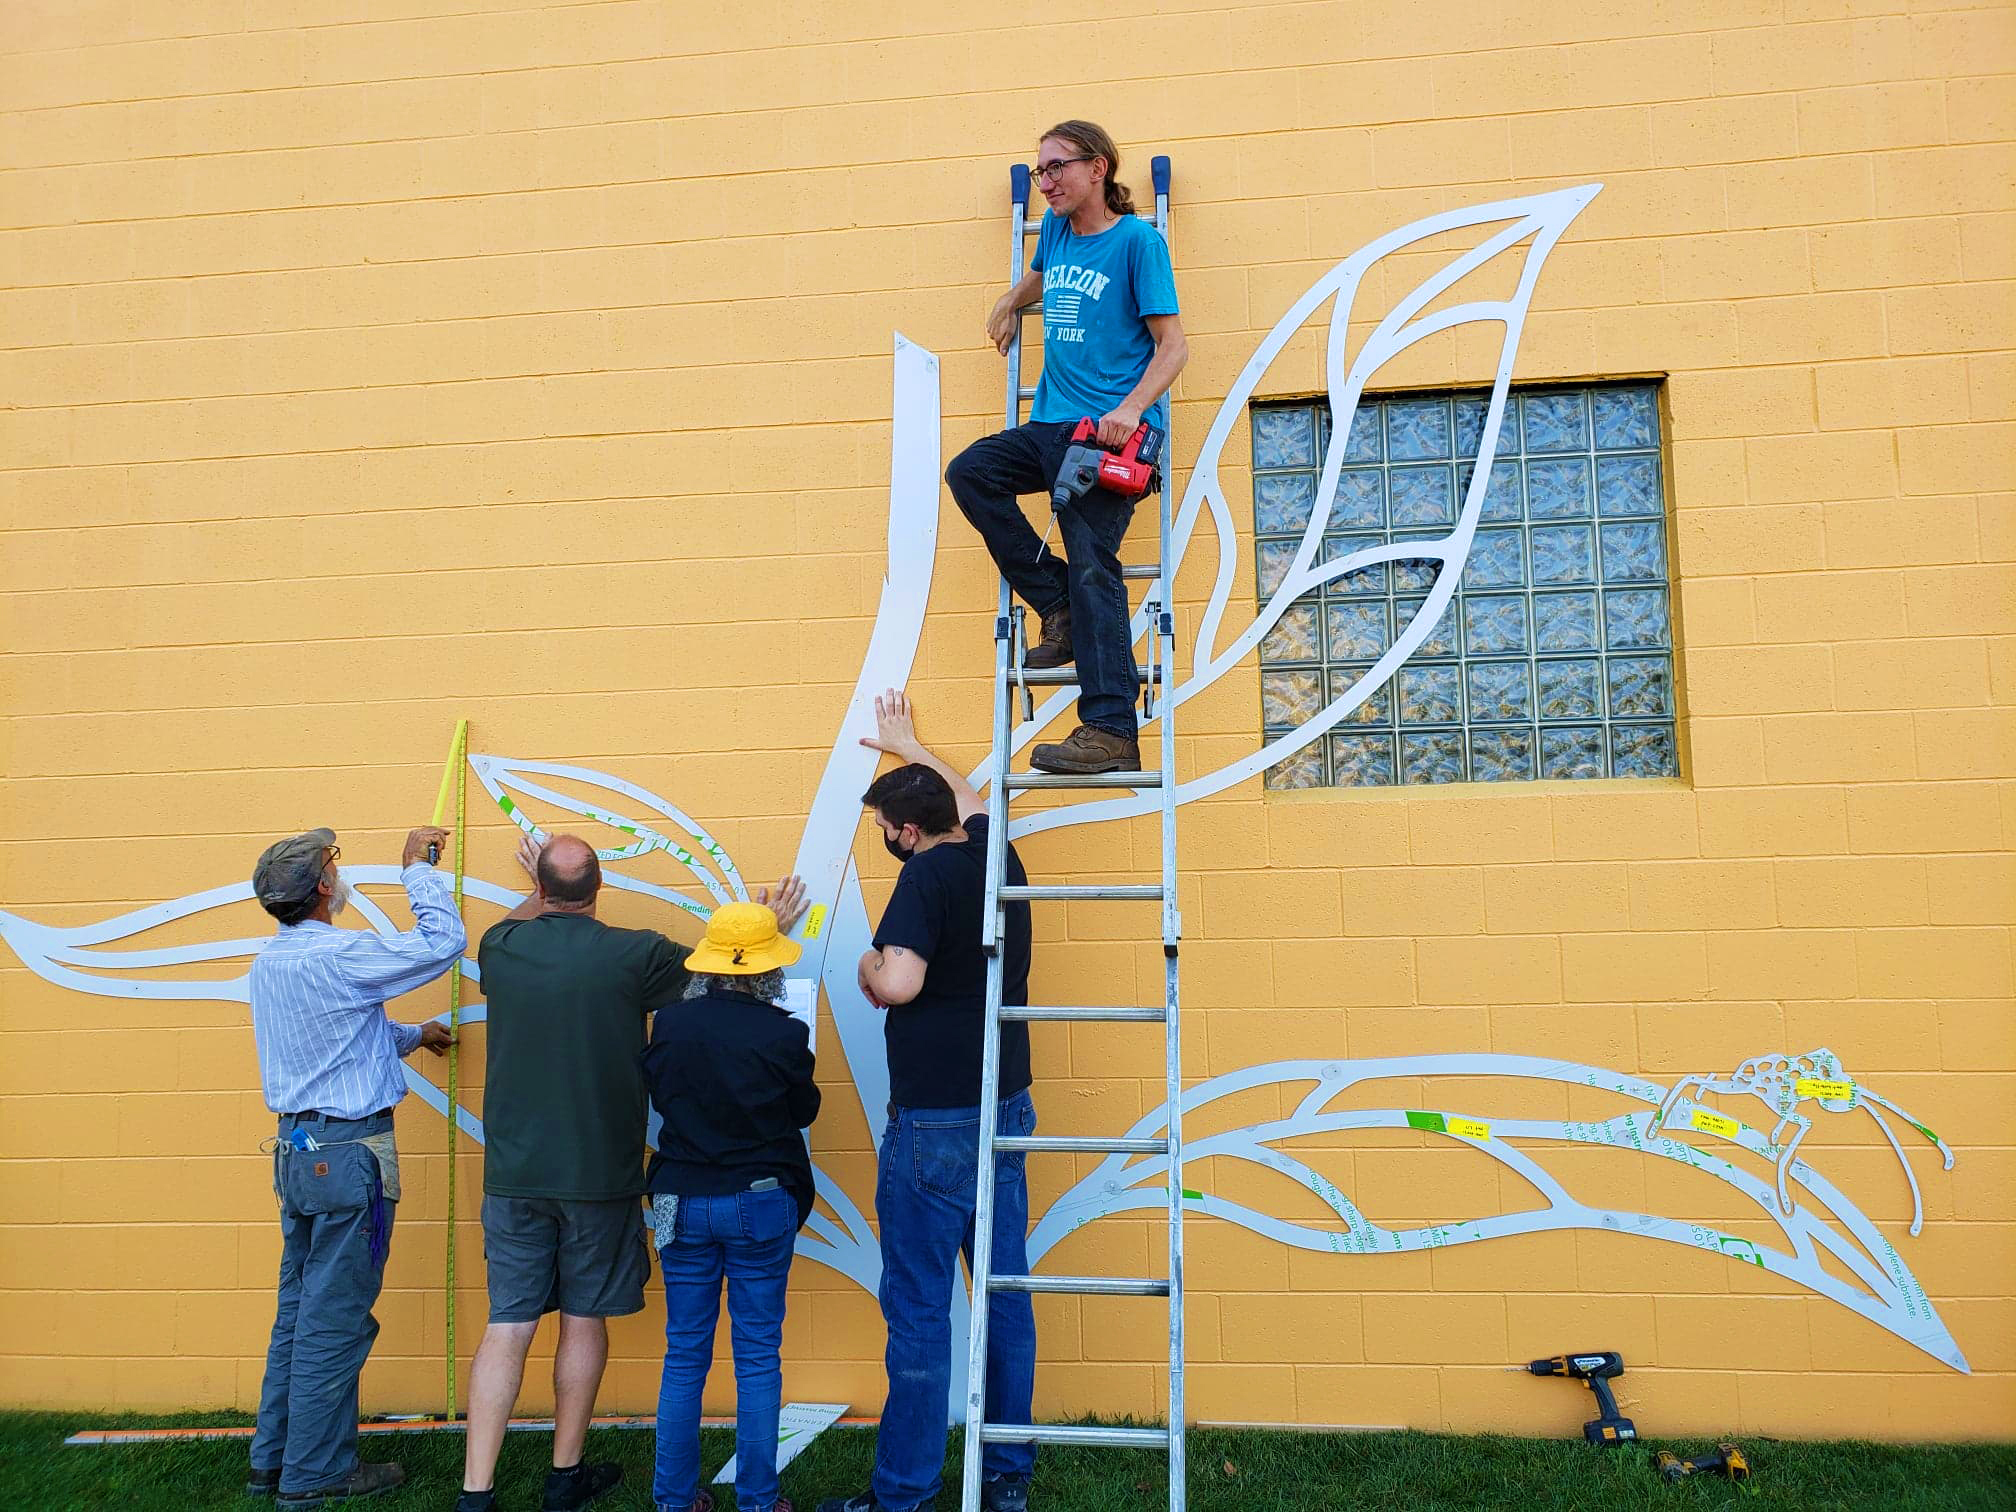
(373, 363)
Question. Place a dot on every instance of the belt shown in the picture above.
(339, 1117)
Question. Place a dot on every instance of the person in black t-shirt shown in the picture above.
(928, 971)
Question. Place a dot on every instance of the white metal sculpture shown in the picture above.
(1781, 1083)
(1534, 222)
(836, 929)
(1883, 1290)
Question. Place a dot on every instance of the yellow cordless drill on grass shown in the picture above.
(1726, 1460)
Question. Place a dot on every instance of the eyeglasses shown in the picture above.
(334, 852)
(1050, 170)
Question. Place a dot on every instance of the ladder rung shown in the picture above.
(1067, 676)
(1090, 1286)
(1090, 1438)
(1027, 391)
(1141, 572)
(1083, 780)
(1147, 892)
(1014, 1015)
(1032, 221)
(1081, 1144)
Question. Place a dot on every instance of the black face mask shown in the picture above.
(894, 849)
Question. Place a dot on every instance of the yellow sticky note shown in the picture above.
(1470, 1128)
(1833, 1091)
(815, 921)
(1714, 1123)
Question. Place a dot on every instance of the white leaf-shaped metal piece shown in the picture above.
(497, 773)
(1889, 1295)
(69, 957)
(1536, 222)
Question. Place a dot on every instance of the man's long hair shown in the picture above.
(1091, 139)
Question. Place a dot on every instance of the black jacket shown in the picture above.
(731, 1076)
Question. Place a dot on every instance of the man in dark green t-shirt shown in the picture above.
(567, 1001)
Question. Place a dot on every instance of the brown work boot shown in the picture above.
(1089, 749)
(368, 1479)
(1054, 649)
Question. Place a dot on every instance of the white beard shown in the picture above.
(340, 898)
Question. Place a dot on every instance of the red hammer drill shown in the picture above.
(1129, 472)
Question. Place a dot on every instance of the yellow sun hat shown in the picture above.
(742, 940)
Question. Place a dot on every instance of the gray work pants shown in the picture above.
(329, 1279)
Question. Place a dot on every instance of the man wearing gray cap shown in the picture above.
(329, 1063)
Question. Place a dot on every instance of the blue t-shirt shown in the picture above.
(1096, 292)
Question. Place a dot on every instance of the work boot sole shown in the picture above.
(337, 1498)
(1037, 660)
(337, 1495)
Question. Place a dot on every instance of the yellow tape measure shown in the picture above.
(456, 773)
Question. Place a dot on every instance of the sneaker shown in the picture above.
(368, 1479)
(262, 1482)
(476, 1501)
(702, 1502)
(1005, 1493)
(863, 1502)
(782, 1504)
(1089, 749)
(578, 1485)
(1054, 649)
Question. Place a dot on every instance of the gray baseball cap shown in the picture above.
(289, 869)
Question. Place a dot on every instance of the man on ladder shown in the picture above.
(1112, 346)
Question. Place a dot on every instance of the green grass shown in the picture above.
(1247, 1470)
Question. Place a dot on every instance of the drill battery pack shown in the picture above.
(1130, 472)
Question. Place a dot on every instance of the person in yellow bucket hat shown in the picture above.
(743, 940)
(730, 1073)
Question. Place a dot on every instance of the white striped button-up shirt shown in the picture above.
(318, 1004)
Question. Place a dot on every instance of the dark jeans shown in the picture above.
(985, 480)
(329, 1280)
(924, 1198)
(748, 1237)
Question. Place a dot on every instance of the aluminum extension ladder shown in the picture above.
(1010, 676)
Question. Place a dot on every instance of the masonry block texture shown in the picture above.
(368, 364)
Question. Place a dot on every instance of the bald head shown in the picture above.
(569, 874)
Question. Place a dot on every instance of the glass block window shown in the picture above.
(1554, 658)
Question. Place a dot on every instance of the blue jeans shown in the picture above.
(924, 1199)
(329, 1280)
(985, 480)
(748, 1237)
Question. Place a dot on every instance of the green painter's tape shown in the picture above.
(1432, 1122)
